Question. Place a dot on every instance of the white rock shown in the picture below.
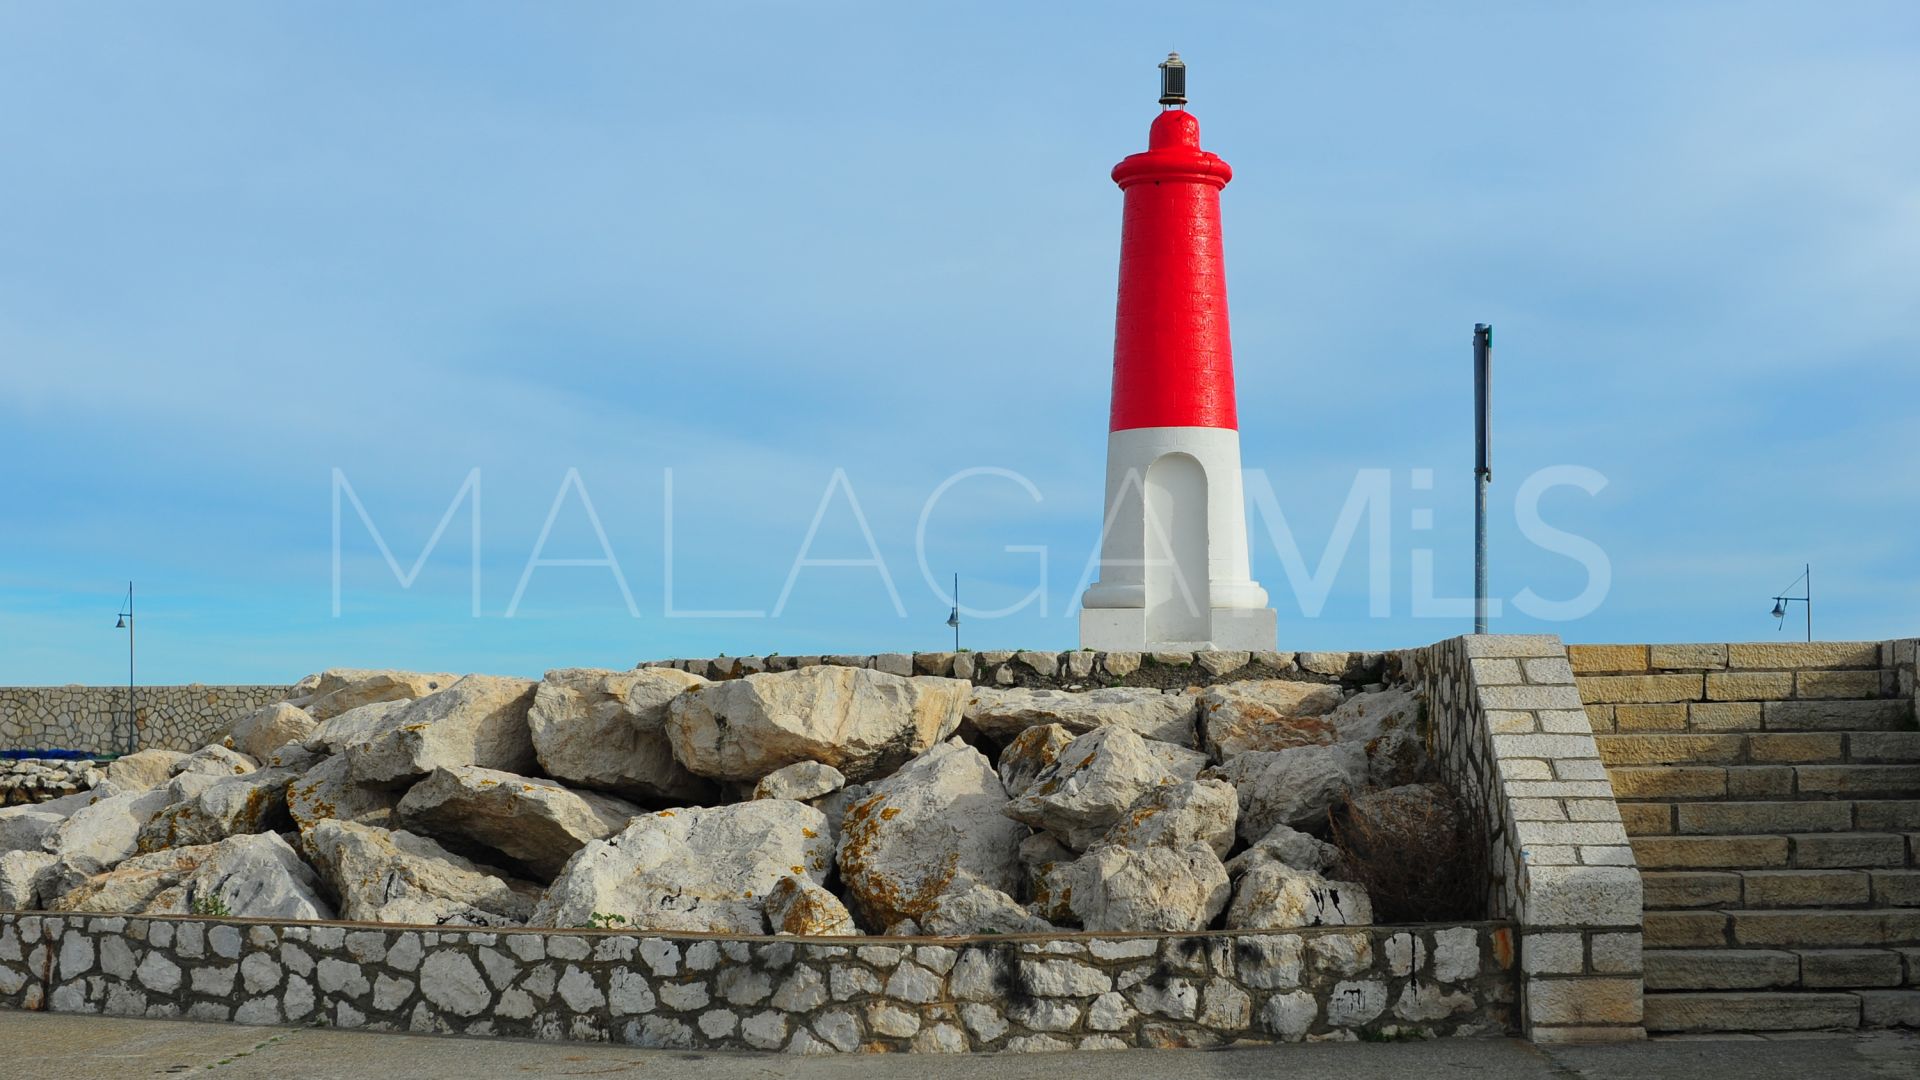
(18, 869)
(1193, 812)
(697, 868)
(933, 826)
(1151, 889)
(1028, 753)
(800, 907)
(337, 734)
(800, 781)
(1292, 787)
(480, 720)
(329, 792)
(27, 828)
(395, 876)
(1388, 724)
(215, 761)
(1265, 714)
(1148, 713)
(862, 722)
(340, 690)
(1044, 861)
(254, 876)
(98, 836)
(145, 770)
(1275, 896)
(262, 731)
(1286, 845)
(1090, 784)
(1180, 762)
(230, 806)
(451, 982)
(973, 908)
(606, 730)
(536, 823)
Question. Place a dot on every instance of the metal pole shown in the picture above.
(1482, 464)
(133, 727)
(1809, 602)
(956, 612)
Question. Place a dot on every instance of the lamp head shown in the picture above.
(1779, 609)
(121, 624)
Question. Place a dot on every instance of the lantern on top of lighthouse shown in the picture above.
(1173, 550)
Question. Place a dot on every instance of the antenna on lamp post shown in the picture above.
(1482, 464)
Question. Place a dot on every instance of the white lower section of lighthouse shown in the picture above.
(1173, 548)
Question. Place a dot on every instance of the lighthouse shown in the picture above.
(1173, 548)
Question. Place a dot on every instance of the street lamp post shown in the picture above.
(953, 619)
(1780, 602)
(126, 623)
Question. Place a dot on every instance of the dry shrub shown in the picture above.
(1421, 856)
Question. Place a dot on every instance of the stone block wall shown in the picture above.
(1744, 686)
(94, 718)
(813, 995)
(1513, 740)
(1078, 669)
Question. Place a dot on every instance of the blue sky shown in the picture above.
(250, 244)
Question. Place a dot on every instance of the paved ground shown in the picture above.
(39, 1046)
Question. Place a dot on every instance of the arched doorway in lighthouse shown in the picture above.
(1176, 550)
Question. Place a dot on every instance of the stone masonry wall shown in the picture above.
(818, 995)
(94, 718)
(1512, 739)
(1078, 669)
(1744, 686)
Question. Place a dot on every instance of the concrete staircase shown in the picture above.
(1772, 796)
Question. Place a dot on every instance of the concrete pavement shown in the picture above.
(41, 1046)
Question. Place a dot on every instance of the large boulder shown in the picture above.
(933, 827)
(143, 771)
(26, 828)
(973, 909)
(1388, 724)
(480, 720)
(1044, 862)
(801, 781)
(1274, 896)
(1265, 714)
(338, 734)
(256, 876)
(606, 730)
(1002, 713)
(800, 907)
(328, 792)
(339, 690)
(707, 869)
(264, 730)
(1287, 846)
(1292, 787)
(1090, 784)
(215, 760)
(385, 875)
(1023, 758)
(1165, 889)
(230, 806)
(1191, 812)
(862, 722)
(100, 835)
(18, 871)
(536, 823)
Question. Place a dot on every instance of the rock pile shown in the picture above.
(37, 780)
(817, 801)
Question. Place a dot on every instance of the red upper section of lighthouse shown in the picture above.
(1172, 355)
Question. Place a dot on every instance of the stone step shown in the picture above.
(1688, 783)
(1707, 717)
(1681, 889)
(1761, 748)
(1698, 818)
(1751, 1011)
(1774, 969)
(1792, 928)
(1780, 851)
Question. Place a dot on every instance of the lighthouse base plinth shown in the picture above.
(1230, 629)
